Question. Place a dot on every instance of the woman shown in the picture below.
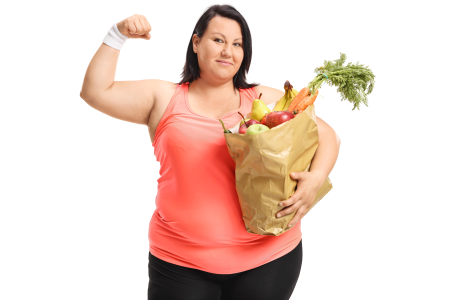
(199, 248)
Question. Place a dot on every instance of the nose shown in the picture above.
(226, 51)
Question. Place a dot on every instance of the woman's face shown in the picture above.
(220, 51)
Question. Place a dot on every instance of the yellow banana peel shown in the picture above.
(291, 96)
(280, 104)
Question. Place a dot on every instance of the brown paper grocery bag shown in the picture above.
(263, 164)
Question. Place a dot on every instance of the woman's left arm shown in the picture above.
(327, 152)
(309, 183)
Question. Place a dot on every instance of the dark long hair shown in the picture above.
(191, 70)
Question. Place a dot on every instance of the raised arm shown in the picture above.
(130, 101)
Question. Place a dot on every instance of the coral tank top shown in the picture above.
(198, 222)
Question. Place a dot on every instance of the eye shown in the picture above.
(238, 44)
(218, 40)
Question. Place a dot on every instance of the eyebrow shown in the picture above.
(225, 36)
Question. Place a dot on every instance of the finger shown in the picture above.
(288, 210)
(297, 175)
(288, 202)
(147, 36)
(139, 28)
(146, 28)
(136, 24)
(131, 27)
(149, 27)
(292, 200)
(298, 216)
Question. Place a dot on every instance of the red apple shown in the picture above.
(247, 124)
(263, 120)
(276, 118)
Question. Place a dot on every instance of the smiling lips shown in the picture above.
(224, 62)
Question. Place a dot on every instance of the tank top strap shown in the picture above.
(250, 94)
(176, 105)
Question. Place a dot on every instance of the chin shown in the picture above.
(225, 75)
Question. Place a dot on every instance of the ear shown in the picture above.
(195, 41)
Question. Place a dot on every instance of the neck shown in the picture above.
(212, 90)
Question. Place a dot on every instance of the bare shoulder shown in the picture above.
(269, 95)
(160, 84)
(161, 88)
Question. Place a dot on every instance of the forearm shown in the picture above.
(326, 154)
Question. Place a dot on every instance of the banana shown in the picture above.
(280, 104)
(286, 100)
(291, 95)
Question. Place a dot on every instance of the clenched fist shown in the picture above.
(135, 27)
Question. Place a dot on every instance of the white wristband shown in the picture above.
(114, 38)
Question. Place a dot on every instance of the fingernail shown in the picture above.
(279, 215)
(290, 226)
(281, 204)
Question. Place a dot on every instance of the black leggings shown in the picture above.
(274, 280)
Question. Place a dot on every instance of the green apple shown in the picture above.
(242, 122)
(256, 128)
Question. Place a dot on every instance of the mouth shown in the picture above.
(224, 62)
